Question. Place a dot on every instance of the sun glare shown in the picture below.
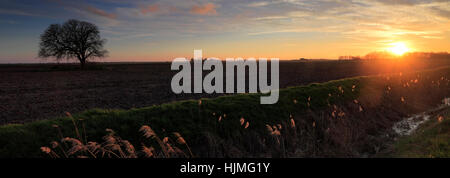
(398, 48)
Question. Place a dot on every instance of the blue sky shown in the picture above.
(162, 30)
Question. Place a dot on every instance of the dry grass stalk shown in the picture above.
(75, 125)
(113, 146)
(242, 120)
(181, 141)
(148, 151)
(440, 119)
(273, 130)
(269, 128)
(148, 132)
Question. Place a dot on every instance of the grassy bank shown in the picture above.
(337, 118)
(430, 140)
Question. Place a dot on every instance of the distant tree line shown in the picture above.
(349, 58)
(380, 55)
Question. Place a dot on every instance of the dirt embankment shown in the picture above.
(361, 127)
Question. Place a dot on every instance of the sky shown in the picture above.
(161, 30)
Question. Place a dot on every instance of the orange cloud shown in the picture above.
(207, 9)
(100, 12)
(150, 9)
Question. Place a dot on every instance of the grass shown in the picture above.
(430, 140)
(198, 121)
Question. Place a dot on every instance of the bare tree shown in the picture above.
(73, 39)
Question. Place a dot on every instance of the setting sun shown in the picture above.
(398, 48)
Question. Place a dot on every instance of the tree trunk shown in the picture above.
(82, 62)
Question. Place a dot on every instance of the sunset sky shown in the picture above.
(288, 29)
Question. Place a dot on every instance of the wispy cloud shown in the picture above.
(441, 12)
(271, 18)
(99, 12)
(206, 9)
(149, 8)
(8, 21)
(259, 4)
(16, 12)
(399, 2)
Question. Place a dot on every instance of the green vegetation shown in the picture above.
(431, 139)
(198, 120)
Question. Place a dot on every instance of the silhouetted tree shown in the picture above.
(73, 39)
